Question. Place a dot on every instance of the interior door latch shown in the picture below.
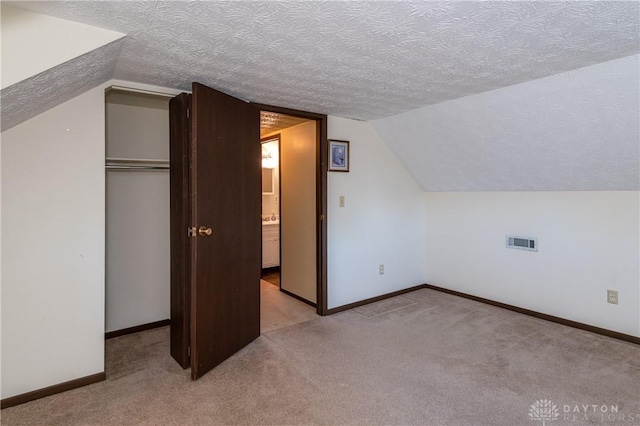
(192, 231)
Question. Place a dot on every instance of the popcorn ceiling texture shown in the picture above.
(499, 124)
(43, 91)
(353, 59)
(272, 122)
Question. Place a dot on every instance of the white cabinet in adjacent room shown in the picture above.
(270, 245)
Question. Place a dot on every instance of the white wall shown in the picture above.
(588, 243)
(383, 221)
(574, 131)
(33, 43)
(137, 223)
(53, 237)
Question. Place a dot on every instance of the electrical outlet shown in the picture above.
(342, 201)
(381, 269)
(612, 297)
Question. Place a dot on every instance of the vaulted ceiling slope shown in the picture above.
(45, 90)
(356, 59)
(575, 131)
(47, 60)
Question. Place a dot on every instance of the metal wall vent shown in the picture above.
(522, 243)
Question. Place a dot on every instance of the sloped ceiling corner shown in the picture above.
(47, 89)
(33, 43)
(575, 131)
(48, 60)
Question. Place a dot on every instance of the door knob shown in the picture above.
(203, 230)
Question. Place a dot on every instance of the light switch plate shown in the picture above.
(342, 201)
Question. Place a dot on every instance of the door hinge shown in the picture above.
(187, 112)
(192, 231)
(321, 217)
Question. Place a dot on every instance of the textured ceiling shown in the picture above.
(576, 131)
(271, 122)
(43, 91)
(356, 59)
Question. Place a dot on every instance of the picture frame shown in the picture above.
(338, 155)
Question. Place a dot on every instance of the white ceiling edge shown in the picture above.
(28, 98)
(33, 43)
(574, 131)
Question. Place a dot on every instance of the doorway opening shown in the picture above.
(293, 157)
(270, 214)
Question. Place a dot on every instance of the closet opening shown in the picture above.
(137, 256)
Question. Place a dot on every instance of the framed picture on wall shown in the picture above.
(338, 156)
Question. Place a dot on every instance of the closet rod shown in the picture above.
(114, 160)
(135, 168)
(133, 164)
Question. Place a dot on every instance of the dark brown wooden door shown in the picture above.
(180, 201)
(225, 188)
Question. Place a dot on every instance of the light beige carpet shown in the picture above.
(422, 358)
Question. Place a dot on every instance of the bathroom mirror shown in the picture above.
(270, 148)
